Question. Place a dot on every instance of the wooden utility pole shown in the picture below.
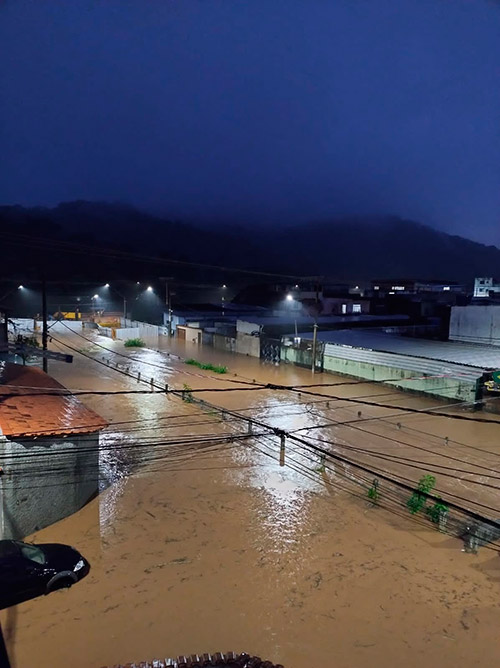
(45, 362)
(315, 334)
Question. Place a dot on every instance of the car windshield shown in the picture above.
(8, 548)
(33, 553)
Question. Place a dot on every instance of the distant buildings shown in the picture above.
(485, 287)
(411, 286)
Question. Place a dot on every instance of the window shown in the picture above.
(356, 308)
(344, 308)
(33, 553)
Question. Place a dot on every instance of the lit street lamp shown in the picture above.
(107, 285)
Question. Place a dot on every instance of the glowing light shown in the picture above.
(20, 287)
(95, 297)
(149, 288)
(107, 285)
(224, 286)
(289, 298)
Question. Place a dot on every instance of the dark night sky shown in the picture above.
(268, 110)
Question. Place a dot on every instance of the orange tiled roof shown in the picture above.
(30, 412)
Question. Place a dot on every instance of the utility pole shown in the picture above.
(45, 361)
(315, 330)
(168, 302)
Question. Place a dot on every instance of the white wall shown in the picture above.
(246, 327)
(247, 345)
(475, 324)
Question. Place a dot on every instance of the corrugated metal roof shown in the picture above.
(465, 354)
(25, 409)
(423, 367)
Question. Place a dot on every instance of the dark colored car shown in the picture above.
(28, 570)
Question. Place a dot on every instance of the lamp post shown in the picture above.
(290, 300)
(315, 334)
(168, 302)
(113, 289)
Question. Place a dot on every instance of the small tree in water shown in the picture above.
(373, 493)
(187, 394)
(416, 502)
(438, 513)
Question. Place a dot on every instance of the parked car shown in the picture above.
(28, 570)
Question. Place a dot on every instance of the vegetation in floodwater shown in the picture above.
(373, 493)
(437, 512)
(416, 502)
(187, 394)
(134, 343)
(217, 368)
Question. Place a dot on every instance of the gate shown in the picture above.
(270, 350)
(304, 355)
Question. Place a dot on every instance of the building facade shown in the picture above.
(49, 451)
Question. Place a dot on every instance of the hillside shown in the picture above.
(342, 249)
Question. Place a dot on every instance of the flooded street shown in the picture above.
(201, 541)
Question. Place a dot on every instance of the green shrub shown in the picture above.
(207, 366)
(187, 394)
(373, 493)
(417, 500)
(437, 512)
(134, 343)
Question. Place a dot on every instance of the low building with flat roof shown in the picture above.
(49, 448)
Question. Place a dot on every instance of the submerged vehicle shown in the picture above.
(28, 570)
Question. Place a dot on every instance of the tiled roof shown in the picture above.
(33, 412)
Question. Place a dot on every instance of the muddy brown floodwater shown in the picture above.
(219, 548)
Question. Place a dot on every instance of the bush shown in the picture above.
(417, 500)
(134, 343)
(187, 394)
(207, 366)
(373, 493)
(437, 512)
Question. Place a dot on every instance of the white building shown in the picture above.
(483, 287)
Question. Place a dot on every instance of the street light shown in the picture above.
(289, 298)
(20, 287)
(113, 289)
(149, 288)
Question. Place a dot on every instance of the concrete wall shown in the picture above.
(224, 343)
(45, 480)
(27, 325)
(462, 390)
(475, 324)
(192, 334)
(451, 388)
(246, 327)
(247, 345)
(128, 333)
